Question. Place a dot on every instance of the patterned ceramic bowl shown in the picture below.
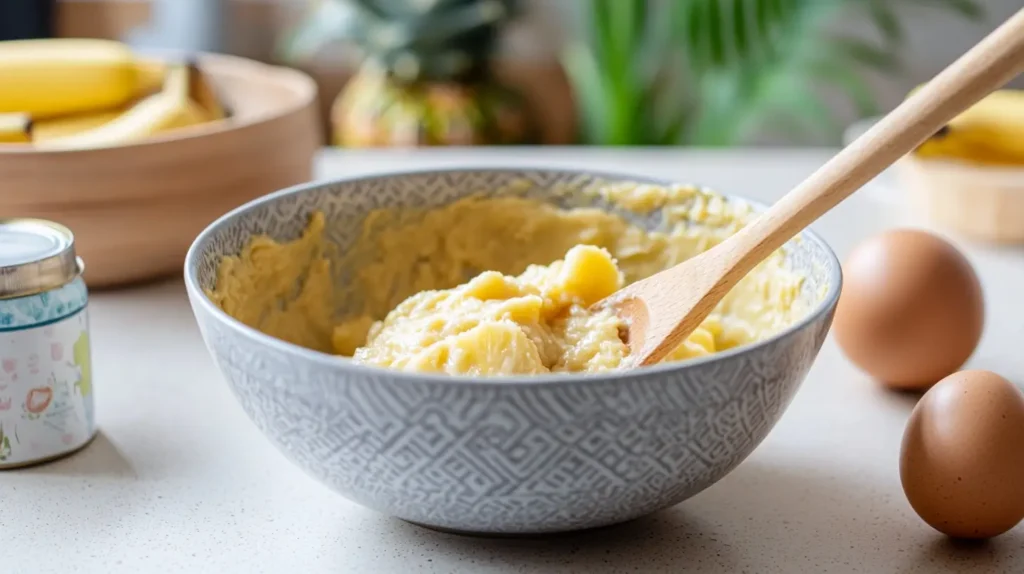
(519, 455)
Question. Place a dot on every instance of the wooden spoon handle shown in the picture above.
(985, 68)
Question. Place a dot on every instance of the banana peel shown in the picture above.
(15, 128)
(193, 114)
(202, 91)
(56, 128)
(63, 126)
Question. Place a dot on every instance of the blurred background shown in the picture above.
(597, 72)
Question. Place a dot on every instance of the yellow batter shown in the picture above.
(498, 286)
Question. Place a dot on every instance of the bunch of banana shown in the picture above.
(81, 93)
(989, 133)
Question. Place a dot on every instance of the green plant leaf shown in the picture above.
(708, 72)
(740, 30)
(724, 99)
(882, 14)
(627, 23)
(846, 79)
(696, 42)
(715, 28)
(765, 25)
(967, 8)
(673, 129)
(614, 27)
(779, 10)
(867, 55)
(601, 18)
(658, 46)
(590, 92)
(798, 101)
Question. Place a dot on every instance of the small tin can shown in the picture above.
(46, 395)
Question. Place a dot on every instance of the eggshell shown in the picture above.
(962, 457)
(911, 311)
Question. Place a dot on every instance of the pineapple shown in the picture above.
(425, 79)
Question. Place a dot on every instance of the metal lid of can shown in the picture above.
(35, 256)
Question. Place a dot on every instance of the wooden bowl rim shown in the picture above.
(303, 86)
(964, 168)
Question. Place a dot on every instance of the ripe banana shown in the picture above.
(990, 132)
(15, 128)
(159, 112)
(52, 77)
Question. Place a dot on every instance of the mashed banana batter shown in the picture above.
(499, 285)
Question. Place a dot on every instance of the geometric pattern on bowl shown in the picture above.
(515, 455)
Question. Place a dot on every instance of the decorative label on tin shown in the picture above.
(46, 400)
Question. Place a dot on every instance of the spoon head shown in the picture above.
(662, 310)
(636, 317)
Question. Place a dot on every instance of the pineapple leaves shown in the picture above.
(459, 20)
(328, 21)
(414, 40)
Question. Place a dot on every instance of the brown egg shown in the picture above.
(911, 311)
(962, 459)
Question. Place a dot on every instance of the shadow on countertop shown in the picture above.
(762, 518)
(99, 458)
(666, 541)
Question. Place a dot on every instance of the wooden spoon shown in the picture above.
(665, 308)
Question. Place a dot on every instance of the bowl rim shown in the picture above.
(825, 306)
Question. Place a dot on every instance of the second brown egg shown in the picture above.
(961, 464)
(911, 310)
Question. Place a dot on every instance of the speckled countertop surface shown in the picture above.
(180, 481)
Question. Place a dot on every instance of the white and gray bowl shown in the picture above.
(515, 455)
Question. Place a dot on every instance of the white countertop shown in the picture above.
(179, 480)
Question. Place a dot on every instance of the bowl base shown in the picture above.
(500, 535)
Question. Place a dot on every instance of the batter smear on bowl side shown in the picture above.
(499, 285)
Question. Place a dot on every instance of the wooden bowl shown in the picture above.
(984, 203)
(135, 209)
